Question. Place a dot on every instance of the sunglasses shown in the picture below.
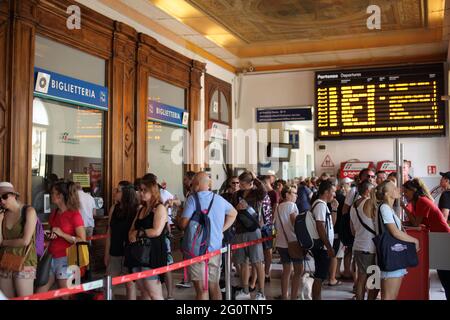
(5, 196)
(372, 176)
(235, 182)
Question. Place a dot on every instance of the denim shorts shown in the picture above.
(393, 274)
(59, 268)
(142, 269)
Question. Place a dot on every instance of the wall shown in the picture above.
(272, 90)
(420, 151)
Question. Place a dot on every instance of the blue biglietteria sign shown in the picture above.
(283, 114)
(167, 114)
(54, 86)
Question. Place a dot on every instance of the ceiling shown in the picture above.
(287, 34)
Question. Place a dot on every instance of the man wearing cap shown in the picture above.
(444, 201)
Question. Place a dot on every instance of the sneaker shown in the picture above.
(241, 295)
(183, 284)
(259, 296)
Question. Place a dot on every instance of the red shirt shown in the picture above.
(432, 216)
(67, 221)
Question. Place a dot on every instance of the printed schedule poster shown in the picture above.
(380, 102)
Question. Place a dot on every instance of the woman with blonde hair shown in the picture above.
(382, 200)
(362, 226)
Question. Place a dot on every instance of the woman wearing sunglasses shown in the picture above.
(17, 237)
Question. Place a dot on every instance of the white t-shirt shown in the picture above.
(389, 216)
(350, 197)
(322, 213)
(166, 195)
(363, 237)
(282, 220)
(87, 206)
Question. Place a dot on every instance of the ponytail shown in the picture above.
(73, 201)
(378, 195)
(372, 203)
(424, 188)
(70, 194)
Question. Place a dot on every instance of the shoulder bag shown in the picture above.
(10, 261)
(392, 253)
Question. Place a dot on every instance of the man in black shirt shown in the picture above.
(444, 201)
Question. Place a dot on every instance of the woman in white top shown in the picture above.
(284, 223)
(384, 196)
(363, 246)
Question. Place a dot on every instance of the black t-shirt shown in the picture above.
(444, 201)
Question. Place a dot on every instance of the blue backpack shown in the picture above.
(198, 231)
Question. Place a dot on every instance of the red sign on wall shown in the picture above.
(431, 170)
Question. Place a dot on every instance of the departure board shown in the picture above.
(380, 102)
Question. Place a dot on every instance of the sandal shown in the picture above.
(338, 283)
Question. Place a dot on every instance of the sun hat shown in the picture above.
(6, 187)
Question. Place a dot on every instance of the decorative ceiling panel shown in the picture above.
(256, 21)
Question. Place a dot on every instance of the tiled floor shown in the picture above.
(341, 292)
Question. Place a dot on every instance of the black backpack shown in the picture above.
(248, 220)
(306, 230)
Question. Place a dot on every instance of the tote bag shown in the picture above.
(392, 253)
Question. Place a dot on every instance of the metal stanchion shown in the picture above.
(107, 288)
(228, 273)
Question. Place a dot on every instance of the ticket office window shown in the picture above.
(67, 139)
(165, 142)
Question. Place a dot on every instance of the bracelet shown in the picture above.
(74, 239)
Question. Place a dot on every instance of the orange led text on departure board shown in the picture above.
(385, 102)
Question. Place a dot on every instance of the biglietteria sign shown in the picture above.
(58, 87)
(167, 114)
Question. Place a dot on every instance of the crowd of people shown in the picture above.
(348, 214)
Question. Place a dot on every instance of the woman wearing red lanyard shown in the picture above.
(67, 228)
(421, 209)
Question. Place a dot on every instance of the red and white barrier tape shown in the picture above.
(64, 292)
(97, 237)
(250, 243)
(172, 267)
(135, 276)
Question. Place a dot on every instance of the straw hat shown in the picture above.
(6, 187)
